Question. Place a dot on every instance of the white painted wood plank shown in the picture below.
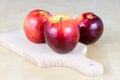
(43, 56)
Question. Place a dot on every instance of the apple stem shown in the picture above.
(60, 19)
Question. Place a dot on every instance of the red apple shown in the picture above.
(61, 33)
(90, 26)
(34, 25)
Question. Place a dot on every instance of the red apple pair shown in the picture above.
(60, 31)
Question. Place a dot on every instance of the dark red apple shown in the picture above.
(61, 33)
(90, 26)
(34, 25)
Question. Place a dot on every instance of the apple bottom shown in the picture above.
(60, 45)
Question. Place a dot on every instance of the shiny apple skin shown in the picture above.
(34, 25)
(62, 37)
(90, 26)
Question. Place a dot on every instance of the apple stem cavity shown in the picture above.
(43, 12)
(90, 16)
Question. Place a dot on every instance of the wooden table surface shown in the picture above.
(106, 50)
